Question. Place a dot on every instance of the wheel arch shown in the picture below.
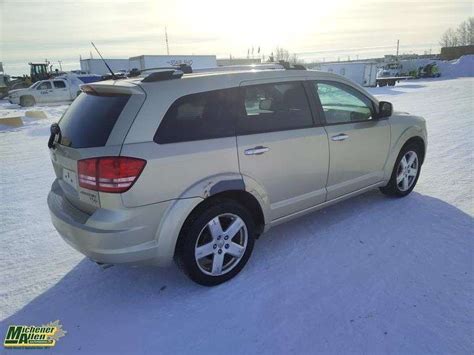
(404, 129)
(26, 96)
(244, 198)
(420, 142)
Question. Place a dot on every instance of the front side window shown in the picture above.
(59, 84)
(274, 107)
(44, 86)
(200, 116)
(342, 104)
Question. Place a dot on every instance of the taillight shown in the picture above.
(109, 174)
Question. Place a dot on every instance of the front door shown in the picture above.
(44, 92)
(61, 91)
(280, 148)
(358, 143)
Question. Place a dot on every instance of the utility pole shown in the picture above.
(166, 39)
(398, 47)
(60, 66)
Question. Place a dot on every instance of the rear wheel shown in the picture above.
(27, 101)
(391, 83)
(216, 243)
(405, 173)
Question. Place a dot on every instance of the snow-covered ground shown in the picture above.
(370, 275)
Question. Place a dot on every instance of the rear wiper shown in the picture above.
(55, 132)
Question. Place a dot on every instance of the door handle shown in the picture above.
(340, 137)
(256, 151)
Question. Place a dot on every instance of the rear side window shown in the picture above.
(274, 107)
(205, 115)
(90, 119)
(59, 84)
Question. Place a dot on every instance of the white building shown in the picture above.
(156, 61)
(363, 73)
(97, 66)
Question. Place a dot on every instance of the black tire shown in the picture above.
(191, 231)
(27, 101)
(391, 83)
(392, 188)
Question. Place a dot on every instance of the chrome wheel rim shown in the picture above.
(221, 244)
(407, 171)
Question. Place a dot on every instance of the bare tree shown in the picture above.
(449, 38)
(282, 54)
(294, 59)
(462, 36)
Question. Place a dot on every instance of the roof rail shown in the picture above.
(166, 73)
(264, 66)
(237, 67)
(289, 66)
(163, 74)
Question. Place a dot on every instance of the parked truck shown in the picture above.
(60, 89)
(390, 74)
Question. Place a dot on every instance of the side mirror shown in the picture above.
(385, 109)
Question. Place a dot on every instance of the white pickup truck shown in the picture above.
(60, 89)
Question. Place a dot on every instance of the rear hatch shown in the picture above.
(95, 125)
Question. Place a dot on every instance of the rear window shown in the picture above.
(90, 119)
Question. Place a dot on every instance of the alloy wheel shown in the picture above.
(221, 244)
(407, 171)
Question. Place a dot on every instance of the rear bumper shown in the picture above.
(121, 236)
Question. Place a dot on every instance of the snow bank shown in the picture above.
(462, 67)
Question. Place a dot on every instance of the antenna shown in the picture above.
(110, 70)
(166, 39)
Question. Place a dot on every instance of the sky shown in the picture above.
(61, 30)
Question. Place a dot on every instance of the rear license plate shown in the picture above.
(70, 177)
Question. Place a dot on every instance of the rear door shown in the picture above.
(194, 143)
(280, 147)
(358, 142)
(94, 125)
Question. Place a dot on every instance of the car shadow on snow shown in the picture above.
(368, 238)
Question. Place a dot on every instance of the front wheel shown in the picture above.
(215, 244)
(27, 101)
(405, 173)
